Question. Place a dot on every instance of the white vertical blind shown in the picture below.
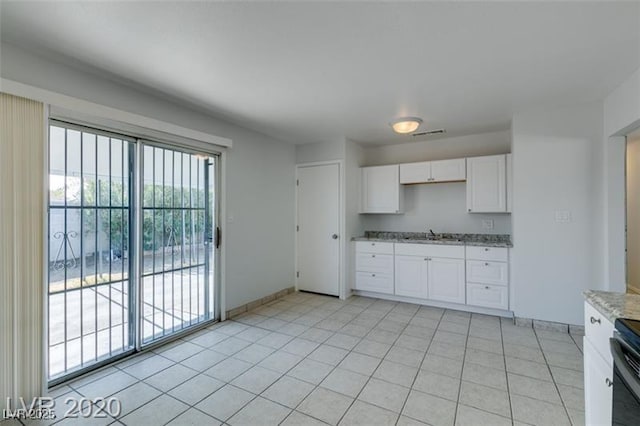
(22, 150)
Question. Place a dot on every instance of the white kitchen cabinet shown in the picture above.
(435, 272)
(411, 275)
(380, 189)
(486, 184)
(415, 172)
(433, 171)
(598, 329)
(448, 170)
(598, 367)
(598, 391)
(374, 267)
(446, 281)
(487, 277)
(488, 296)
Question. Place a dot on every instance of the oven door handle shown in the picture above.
(631, 380)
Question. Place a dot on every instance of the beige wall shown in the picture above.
(633, 212)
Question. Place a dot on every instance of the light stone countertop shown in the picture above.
(614, 305)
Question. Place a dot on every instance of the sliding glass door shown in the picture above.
(132, 245)
(178, 235)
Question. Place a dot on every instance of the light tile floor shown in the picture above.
(312, 360)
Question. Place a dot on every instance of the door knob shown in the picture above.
(334, 236)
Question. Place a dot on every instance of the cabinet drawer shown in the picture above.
(500, 254)
(374, 247)
(379, 283)
(480, 272)
(488, 296)
(598, 329)
(374, 262)
(430, 250)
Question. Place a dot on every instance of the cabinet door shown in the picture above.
(380, 189)
(411, 276)
(448, 170)
(415, 172)
(446, 280)
(486, 184)
(598, 395)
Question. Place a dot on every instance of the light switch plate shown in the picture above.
(563, 216)
(487, 223)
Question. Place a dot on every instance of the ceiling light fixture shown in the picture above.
(406, 125)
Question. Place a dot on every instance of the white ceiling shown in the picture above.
(307, 72)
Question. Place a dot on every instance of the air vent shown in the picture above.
(430, 132)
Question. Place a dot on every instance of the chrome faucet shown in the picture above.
(431, 233)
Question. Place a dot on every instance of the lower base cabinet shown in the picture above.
(598, 392)
(446, 281)
(437, 272)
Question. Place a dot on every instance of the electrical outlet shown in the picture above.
(487, 223)
(563, 216)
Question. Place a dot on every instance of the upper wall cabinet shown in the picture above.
(380, 189)
(487, 184)
(433, 171)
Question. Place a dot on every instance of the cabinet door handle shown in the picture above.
(486, 287)
(594, 320)
(373, 255)
(486, 249)
(469, 209)
(608, 382)
(486, 263)
(373, 275)
(373, 244)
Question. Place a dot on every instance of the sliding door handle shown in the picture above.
(218, 236)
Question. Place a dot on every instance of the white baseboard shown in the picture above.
(445, 305)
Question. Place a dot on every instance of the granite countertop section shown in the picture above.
(485, 240)
(614, 305)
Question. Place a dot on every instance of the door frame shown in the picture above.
(343, 246)
(141, 135)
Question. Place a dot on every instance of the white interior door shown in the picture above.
(318, 226)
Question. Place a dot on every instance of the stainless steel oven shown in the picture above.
(625, 348)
